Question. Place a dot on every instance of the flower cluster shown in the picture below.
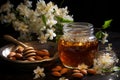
(105, 62)
(44, 21)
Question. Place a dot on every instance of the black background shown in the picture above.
(92, 11)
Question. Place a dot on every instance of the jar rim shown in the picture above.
(78, 25)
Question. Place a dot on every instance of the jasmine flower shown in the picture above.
(63, 78)
(39, 72)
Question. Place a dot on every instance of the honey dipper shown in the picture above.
(28, 51)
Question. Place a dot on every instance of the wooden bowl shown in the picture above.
(30, 65)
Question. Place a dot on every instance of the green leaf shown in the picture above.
(44, 19)
(59, 29)
(60, 19)
(106, 24)
(58, 37)
(99, 34)
(106, 70)
(116, 68)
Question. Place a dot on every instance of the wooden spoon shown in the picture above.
(28, 51)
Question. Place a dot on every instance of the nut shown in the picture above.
(57, 68)
(38, 58)
(83, 71)
(12, 58)
(91, 71)
(64, 70)
(76, 71)
(18, 56)
(56, 73)
(77, 75)
(11, 54)
(31, 58)
(43, 52)
(46, 57)
(38, 54)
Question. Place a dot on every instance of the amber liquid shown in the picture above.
(73, 54)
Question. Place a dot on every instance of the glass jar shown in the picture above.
(77, 45)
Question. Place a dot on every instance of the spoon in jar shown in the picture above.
(27, 52)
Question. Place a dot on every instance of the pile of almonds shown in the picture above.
(80, 73)
(58, 71)
(17, 54)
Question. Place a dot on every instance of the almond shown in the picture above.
(38, 58)
(31, 58)
(43, 53)
(77, 75)
(57, 68)
(64, 70)
(56, 73)
(12, 58)
(18, 56)
(83, 71)
(91, 71)
(45, 50)
(46, 57)
(76, 71)
(11, 54)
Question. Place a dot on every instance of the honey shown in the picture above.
(77, 45)
(73, 54)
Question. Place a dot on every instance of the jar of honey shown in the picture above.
(77, 45)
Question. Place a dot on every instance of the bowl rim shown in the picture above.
(55, 56)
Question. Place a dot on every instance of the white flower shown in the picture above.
(104, 39)
(51, 22)
(9, 18)
(63, 78)
(6, 7)
(28, 3)
(50, 33)
(109, 47)
(50, 7)
(39, 72)
(41, 21)
(82, 66)
(105, 60)
(61, 11)
(20, 26)
(40, 7)
(43, 38)
(24, 10)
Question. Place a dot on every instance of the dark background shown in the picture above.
(92, 11)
